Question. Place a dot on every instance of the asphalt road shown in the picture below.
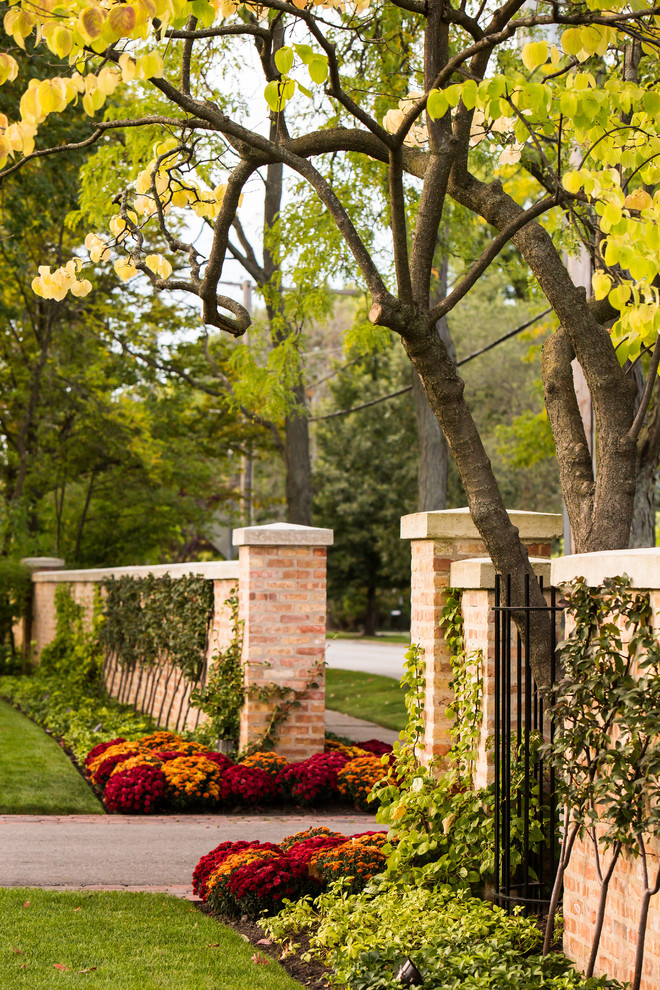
(136, 852)
(370, 657)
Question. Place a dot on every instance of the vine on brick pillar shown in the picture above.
(467, 685)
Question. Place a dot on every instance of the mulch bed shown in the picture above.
(310, 974)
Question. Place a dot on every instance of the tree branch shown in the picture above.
(638, 422)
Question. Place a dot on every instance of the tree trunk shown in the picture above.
(371, 614)
(444, 390)
(298, 464)
(642, 531)
(433, 464)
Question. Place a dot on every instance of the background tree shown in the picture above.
(365, 479)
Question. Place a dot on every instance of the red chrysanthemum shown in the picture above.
(138, 791)
(247, 785)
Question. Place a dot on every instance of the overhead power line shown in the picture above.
(408, 388)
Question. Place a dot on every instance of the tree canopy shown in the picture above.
(409, 122)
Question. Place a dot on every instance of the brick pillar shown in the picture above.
(282, 602)
(476, 579)
(438, 539)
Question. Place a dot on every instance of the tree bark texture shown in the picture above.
(433, 453)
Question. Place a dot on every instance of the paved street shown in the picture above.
(137, 852)
(372, 658)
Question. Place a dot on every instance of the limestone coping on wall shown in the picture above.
(479, 572)
(642, 567)
(43, 563)
(282, 535)
(213, 570)
(457, 524)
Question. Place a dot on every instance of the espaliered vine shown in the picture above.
(157, 627)
(75, 654)
(607, 742)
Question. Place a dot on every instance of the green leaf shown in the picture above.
(304, 53)
(204, 12)
(436, 104)
(284, 60)
(272, 95)
(305, 91)
(651, 102)
(318, 68)
(469, 94)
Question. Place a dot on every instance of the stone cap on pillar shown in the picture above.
(43, 563)
(457, 524)
(282, 535)
(479, 572)
(641, 565)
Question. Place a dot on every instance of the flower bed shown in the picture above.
(163, 772)
(254, 878)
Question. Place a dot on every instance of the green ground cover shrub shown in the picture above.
(123, 941)
(440, 854)
(35, 775)
(76, 714)
(457, 942)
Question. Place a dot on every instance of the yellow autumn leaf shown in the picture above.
(150, 66)
(8, 68)
(125, 269)
(638, 200)
(159, 265)
(82, 288)
(534, 54)
(601, 283)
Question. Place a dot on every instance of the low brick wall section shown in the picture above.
(281, 579)
(161, 691)
(581, 887)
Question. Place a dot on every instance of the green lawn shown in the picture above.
(36, 777)
(378, 699)
(123, 941)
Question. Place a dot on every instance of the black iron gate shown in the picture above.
(525, 806)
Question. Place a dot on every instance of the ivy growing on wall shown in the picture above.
(467, 685)
(221, 698)
(75, 654)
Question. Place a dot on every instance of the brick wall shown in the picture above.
(581, 888)
(281, 576)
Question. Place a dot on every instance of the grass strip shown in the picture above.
(36, 777)
(370, 696)
(123, 941)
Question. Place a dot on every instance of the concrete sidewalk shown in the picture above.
(357, 728)
(133, 852)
